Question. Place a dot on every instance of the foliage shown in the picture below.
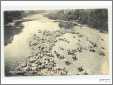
(97, 18)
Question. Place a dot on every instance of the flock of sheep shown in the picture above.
(61, 53)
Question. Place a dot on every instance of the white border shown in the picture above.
(51, 5)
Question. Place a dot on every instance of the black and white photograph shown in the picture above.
(57, 42)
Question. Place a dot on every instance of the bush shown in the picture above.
(9, 16)
(97, 18)
(11, 30)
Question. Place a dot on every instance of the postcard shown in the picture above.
(65, 40)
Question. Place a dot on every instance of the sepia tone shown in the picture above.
(56, 42)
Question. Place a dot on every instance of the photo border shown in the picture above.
(41, 0)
